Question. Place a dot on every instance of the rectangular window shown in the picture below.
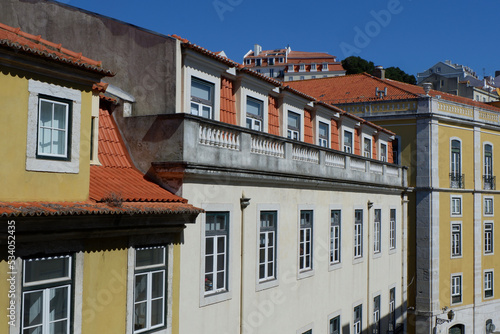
(54, 119)
(325, 67)
(216, 251)
(335, 238)
(305, 240)
(488, 206)
(358, 233)
(323, 136)
(392, 310)
(258, 62)
(308, 332)
(47, 296)
(149, 288)
(293, 125)
(302, 77)
(313, 67)
(267, 245)
(281, 59)
(488, 178)
(488, 284)
(456, 177)
(254, 114)
(456, 206)
(302, 67)
(270, 61)
(392, 230)
(367, 147)
(334, 327)
(376, 315)
(271, 72)
(488, 238)
(202, 98)
(347, 141)
(383, 152)
(358, 325)
(456, 240)
(456, 289)
(377, 233)
(248, 61)
(290, 69)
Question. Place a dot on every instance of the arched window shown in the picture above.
(488, 167)
(457, 329)
(456, 164)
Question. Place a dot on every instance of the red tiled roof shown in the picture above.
(361, 88)
(18, 40)
(310, 55)
(117, 177)
(16, 209)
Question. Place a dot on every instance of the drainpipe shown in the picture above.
(244, 202)
(368, 299)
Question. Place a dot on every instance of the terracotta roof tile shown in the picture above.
(16, 209)
(18, 40)
(117, 177)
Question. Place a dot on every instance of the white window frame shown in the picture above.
(380, 155)
(358, 235)
(210, 76)
(149, 271)
(393, 229)
(484, 159)
(452, 163)
(45, 287)
(259, 96)
(211, 298)
(281, 60)
(335, 255)
(325, 67)
(453, 204)
(357, 324)
(258, 62)
(322, 141)
(271, 72)
(392, 310)
(216, 236)
(456, 246)
(313, 67)
(269, 283)
(44, 163)
(270, 61)
(291, 68)
(367, 154)
(331, 317)
(376, 313)
(306, 329)
(377, 231)
(269, 233)
(488, 238)
(302, 67)
(66, 129)
(256, 121)
(351, 131)
(306, 229)
(456, 288)
(291, 132)
(488, 283)
(201, 104)
(485, 206)
(248, 61)
(305, 271)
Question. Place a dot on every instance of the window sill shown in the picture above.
(214, 298)
(393, 251)
(305, 274)
(358, 260)
(264, 285)
(377, 255)
(335, 266)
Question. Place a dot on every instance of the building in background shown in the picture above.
(91, 243)
(462, 81)
(287, 65)
(449, 143)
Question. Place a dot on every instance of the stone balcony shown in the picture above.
(200, 146)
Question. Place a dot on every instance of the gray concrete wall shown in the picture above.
(144, 61)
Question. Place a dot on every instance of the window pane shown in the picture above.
(33, 305)
(157, 312)
(220, 280)
(293, 120)
(140, 316)
(59, 142)
(46, 269)
(323, 130)
(149, 257)
(209, 263)
(59, 116)
(45, 113)
(158, 284)
(141, 284)
(58, 303)
(201, 90)
(254, 107)
(60, 327)
(45, 141)
(194, 108)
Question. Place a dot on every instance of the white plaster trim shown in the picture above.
(351, 130)
(328, 124)
(332, 315)
(307, 327)
(453, 215)
(492, 271)
(261, 97)
(362, 144)
(492, 238)
(47, 165)
(461, 289)
(271, 283)
(435, 255)
(18, 298)
(484, 206)
(376, 255)
(307, 272)
(478, 248)
(287, 108)
(360, 259)
(222, 296)
(210, 78)
(336, 266)
(78, 296)
(434, 152)
(461, 240)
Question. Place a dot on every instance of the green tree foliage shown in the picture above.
(395, 73)
(355, 65)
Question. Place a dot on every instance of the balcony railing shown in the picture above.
(457, 180)
(202, 142)
(489, 182)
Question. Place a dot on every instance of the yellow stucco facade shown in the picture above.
(19, 184)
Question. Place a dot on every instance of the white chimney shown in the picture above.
(257, 49)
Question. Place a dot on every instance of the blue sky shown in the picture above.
(410, 34)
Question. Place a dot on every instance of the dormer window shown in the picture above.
(325, 67)
(248, 61)
(347, 141)
(270, 61)
(293, 126)
(258, 62)
(254, 114)
(202, 98)
(383, 152)
(302, 68)
(281, 59)
(290, 68)
(313, 67)
(367, 147)
(438, 69)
